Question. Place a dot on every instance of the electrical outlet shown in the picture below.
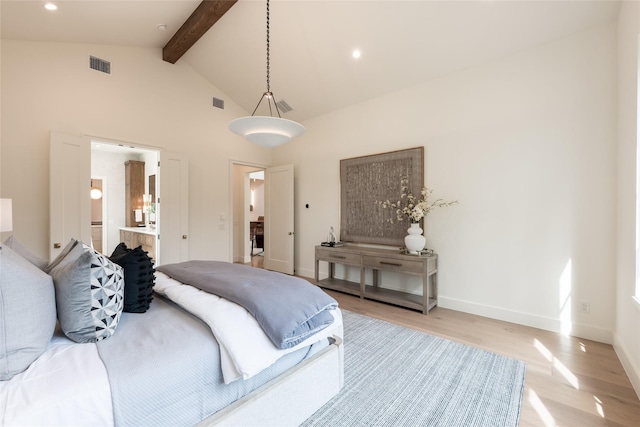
(585, 307)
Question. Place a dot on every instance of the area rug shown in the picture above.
(395, 376)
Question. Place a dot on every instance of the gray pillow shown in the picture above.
(72, 244)
(27, 312)
(89, 294)
(26, 253)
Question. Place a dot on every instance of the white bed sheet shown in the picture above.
(245, 350)
(66, 386)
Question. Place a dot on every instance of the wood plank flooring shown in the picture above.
(569, 382)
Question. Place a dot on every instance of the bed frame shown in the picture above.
(292, 397)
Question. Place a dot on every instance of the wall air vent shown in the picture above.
(218, 103)
(283, 106)
(99, 65)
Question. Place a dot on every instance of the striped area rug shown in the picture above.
(396, 376)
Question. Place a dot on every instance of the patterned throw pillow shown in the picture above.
(89, 294)
(139, 277)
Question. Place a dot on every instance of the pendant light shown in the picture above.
(96, 193)
(267, 131)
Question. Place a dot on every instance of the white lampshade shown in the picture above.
(6, 215)
(266, 131)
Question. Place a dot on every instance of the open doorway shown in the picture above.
(256, 214)
(97, 208)
(247, 211)
(125, 212)
(279, 243)
(70, 171)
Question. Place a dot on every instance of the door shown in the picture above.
(173, 208)
(278, 219)
(69, 187)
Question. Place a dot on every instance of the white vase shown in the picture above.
(414, 241)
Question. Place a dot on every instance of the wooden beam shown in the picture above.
(206, 14)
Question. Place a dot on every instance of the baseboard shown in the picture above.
(310, 274)
(630, 368)
(242, 259)
(548, 324)
(527, 319)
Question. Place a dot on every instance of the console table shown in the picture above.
(381, 260)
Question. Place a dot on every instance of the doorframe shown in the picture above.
(247, 196)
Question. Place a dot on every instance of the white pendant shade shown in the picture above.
(96, 193)
(266, 131)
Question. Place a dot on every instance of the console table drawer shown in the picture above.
(392, 264)
(333, 255)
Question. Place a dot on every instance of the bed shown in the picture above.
(164, 366)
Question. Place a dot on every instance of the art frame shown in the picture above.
(366, 181)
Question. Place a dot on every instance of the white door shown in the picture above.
(278, 219)
(69, 187)
(173, 214)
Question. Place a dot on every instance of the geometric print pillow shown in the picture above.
(107, 294)
(89, 294)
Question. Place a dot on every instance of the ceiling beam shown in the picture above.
(206, 14)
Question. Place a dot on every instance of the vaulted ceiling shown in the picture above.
(402, 43)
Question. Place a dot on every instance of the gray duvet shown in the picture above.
(164, 368)
(289, 309)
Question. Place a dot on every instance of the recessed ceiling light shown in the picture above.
(50, 6)
(162, 27)
(355, 53)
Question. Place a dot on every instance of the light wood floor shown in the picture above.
(569, 381)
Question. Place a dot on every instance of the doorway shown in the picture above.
(279, 242)
(247, 210)
(256, 214)
(70, 205)
(98, 199)
(126, 203)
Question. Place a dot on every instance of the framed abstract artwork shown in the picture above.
(365, 182)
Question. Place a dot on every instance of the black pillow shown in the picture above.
(139, 277)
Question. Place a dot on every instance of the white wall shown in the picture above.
(527, 144)
(145, 101)
(627, 337)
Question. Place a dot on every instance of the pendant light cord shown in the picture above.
(268, 50)
(268, 94)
